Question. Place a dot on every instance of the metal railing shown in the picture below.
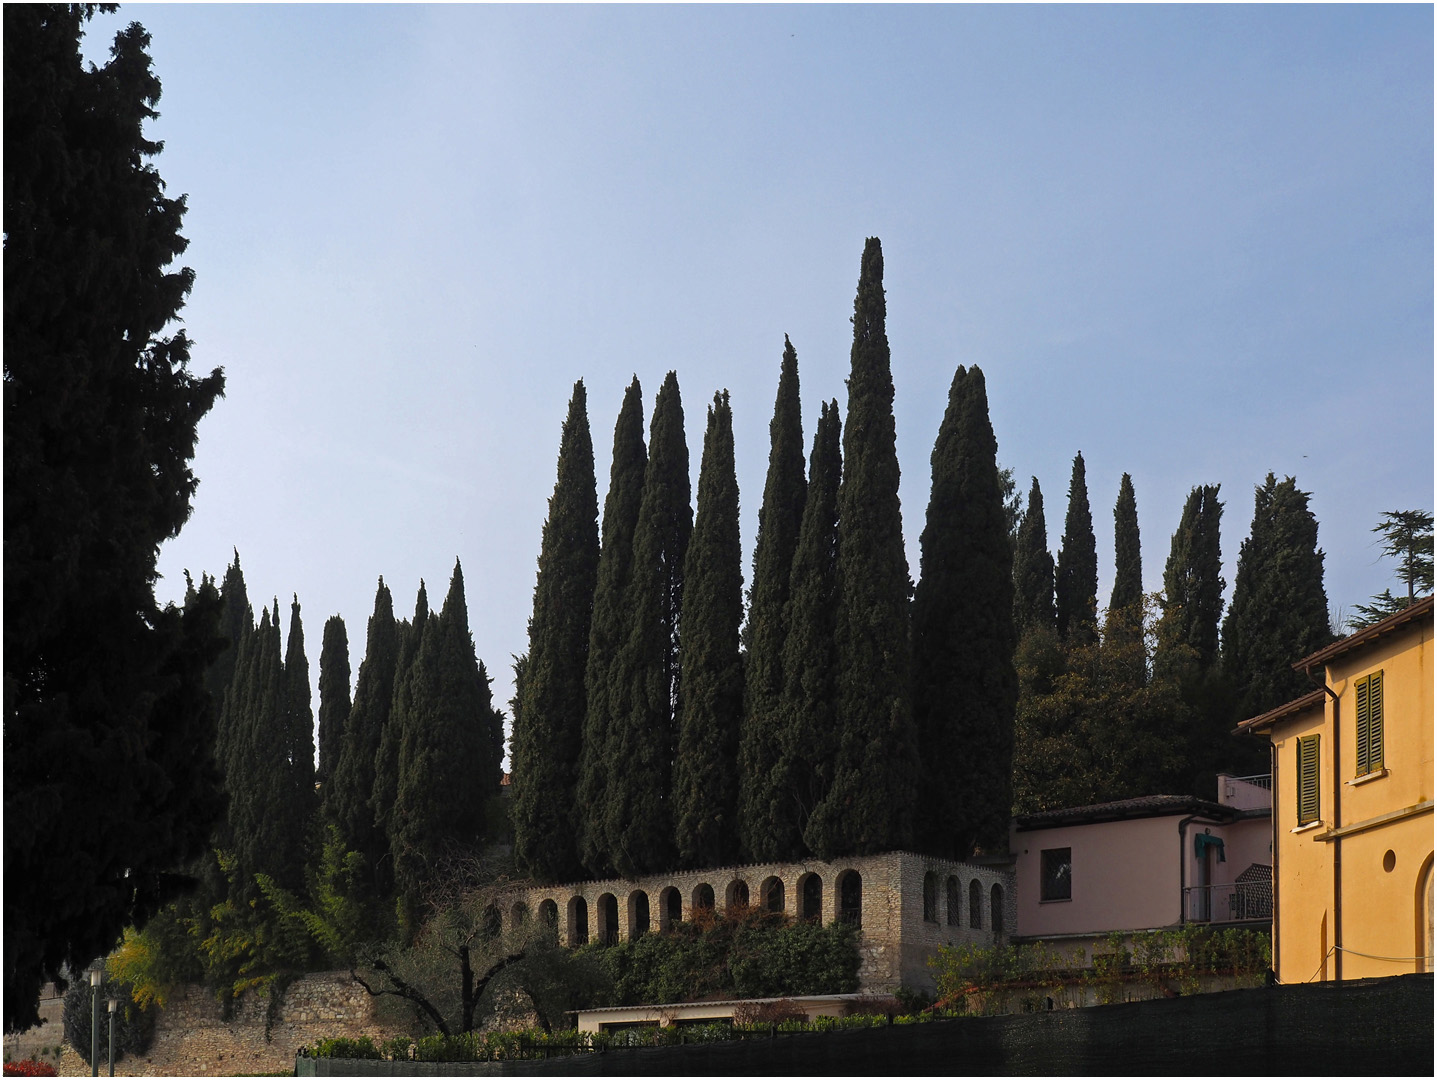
(1262, 780)
(1236, 902)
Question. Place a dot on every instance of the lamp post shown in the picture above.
(113, 1004)
(96, 974)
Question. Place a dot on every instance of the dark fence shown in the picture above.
(1368, 1027)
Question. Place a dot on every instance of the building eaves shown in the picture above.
(1296, 707)
(1418, 609)
(1146, 806)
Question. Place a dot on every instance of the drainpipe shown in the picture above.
(1183, 867)
(1336, 822)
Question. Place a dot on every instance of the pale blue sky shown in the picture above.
(1195, 243)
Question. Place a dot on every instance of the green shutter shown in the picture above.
(1308, 806)
(1364, 727)
(1374, 723)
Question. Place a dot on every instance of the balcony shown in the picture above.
(1245, 792)
(1238, 901)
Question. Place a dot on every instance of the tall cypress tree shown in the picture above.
(261, 777)
(1077, 577)
(1124, 625)
(808, 741)
(449, 761)
(334, 700)
(871, 803)
(1279, 605)
(549, 717)
(965, 685)
(401, 722)
(706, 766)
(644, 679)
(608, 625)
(1033, 569)
(347, 796)
(779, 519)
(300, 801)
(1193, 583)
(236, 624)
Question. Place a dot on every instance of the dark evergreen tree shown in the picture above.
(706, 782)
(1033, 569)
(1124, 625)
(334, 701)
(260, 776)
(1406, 535)
(965, 687)
(109, 779)
(644, 678)
(607, 626)
(400, 726)
(449, 761)
(301, 802)
(871, 802)
(1076, 584)
(549, 714)
(236, 620)
(347, 797)
(766, 631)
(1279, 606)
(808, 739)
(1193, 584)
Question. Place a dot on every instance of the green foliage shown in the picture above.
(1076, 579)
(644, 678)
(779, 520)
(549, 719)
(706, 781)
(1033, 604)
(607, 629)
(134, 1024)
(965, 687)
(106, 718)
(1406, 535)
(871, 802)
(752, 954)
(1193, 584)
(1125, 608)
(362, 1049)
(334, 702)
(409, 688)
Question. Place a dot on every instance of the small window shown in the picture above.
(930, 897)
(1057, 874)
(1369, 724)
(1309, 806)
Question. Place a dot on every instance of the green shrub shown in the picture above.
(362, 1048)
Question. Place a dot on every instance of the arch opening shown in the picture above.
(771, 894)
(608, 919)
(810, 891)
(930, 897)
(578, 921)
(736, 895)
(850, 898)
(954, 913)
(671, 909)
(995, 909)
(638, 914)
(975, 905)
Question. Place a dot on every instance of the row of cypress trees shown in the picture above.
(843, 718)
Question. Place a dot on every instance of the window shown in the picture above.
(953, 913)
(1309, 807)
(1057, 872)
(975, 905)
(930, 897)
(850, 898)
(1369, 724)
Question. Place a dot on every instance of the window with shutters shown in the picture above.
(1309, 807)
(1369, 724)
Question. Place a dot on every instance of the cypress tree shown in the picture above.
(779, 519)
(1124, 626)
(644, 679)
(449, 760)
(347, 799)
(808, 742)
(549, 714)
(236, 624)
(870, 805)
(262, 793)
(1193, 583)
(399, 727)
(1279, 606)
(334, 701)
(706, 767)
(300, 801)
(1077, 578)
(965, 685)
(608, 625)
(1033, 569)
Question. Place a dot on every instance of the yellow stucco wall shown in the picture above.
(1375, 836)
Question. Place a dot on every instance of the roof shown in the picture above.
(1418, 609)
(1146, 806)
(1296, 707)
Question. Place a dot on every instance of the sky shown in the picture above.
(1193, 243)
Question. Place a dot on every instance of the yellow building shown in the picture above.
(1352, 807)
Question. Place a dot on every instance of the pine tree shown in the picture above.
(334, 701)
(1076, 585)
(779, 519)
(808, 742)
(549, 716)
(1124, 626)
(1193, 583)
(449, 761)
(871, 803)
(1033, 569)
(607, 626)
(965, 685)
(347, 797)
(106, 787)
(644, 679)
(706, 781)
(1279, 606)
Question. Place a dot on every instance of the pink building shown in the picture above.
(1155, 862)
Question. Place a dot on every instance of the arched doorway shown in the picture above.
(810, 891)
(850, 898)
(578, 921)
(638, 914)
(671, 909)
(608, 919)
(772, 893)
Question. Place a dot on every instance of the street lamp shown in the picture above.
(96, 974)
(113, 1004)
